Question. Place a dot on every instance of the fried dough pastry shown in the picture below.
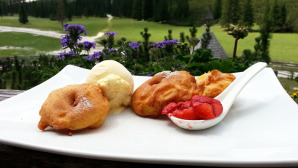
(213, 83)
(74, 107)
(153, 95)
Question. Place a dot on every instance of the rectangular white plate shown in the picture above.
(261, 129)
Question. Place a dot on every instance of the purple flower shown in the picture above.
(88, 45)
(66, 40)
(63, 55)
(110, 33)
(165, 43)
(158, 45)
(134, 45)
(74, 29)
(96, 55)
(111, 50)
(150, 74)
(170, 42)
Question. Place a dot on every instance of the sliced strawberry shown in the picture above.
(183, 105)
(217, 107)
(189, 114)
(198, 108)
(169, 108)
(204, 111)
(196, 99)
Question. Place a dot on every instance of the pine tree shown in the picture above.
(147, 9)
(263, 41)
(283, 14)
(127, 8)
(156, 10)
(164, 11)
(160, 12)
(276, 16)
(1, 10)
(23, 15)
(137, 9)
(60, 13)
(231, 13)
(217, 9)
(185, 8)
(180, 9)
(248, 16)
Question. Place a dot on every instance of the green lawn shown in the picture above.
(283, 46)
(93, 25)
(28, 44)
(36, 23)
(131, 29)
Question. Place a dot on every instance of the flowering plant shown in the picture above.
(72, 42)
(142, 58)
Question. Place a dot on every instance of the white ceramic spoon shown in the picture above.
(226, 98)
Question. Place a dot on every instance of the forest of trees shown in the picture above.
(154, 10)
(176, 12)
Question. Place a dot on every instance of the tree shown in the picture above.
(238, 32)
(180, 9)
(1, 8)
(279, 16)
(283, 16)
(206, 38)
(137, 9)
(160, 12)
(23, 15)
(184, 7)
(231, 13)
(248, 16)
(217, 9)
(263, 41)
(276, 16)
(60, 13)
(147, 9)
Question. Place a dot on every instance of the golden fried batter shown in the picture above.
(213, 83)
(74, 107)
(152, 96)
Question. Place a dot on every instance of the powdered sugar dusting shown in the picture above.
(83, 104)
(167, 74)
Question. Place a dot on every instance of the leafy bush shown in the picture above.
(22, 74)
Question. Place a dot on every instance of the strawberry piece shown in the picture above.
(196, 99)
(187, 114)
(198, 108)
(169, 108)
(204, 111)
(217, 107)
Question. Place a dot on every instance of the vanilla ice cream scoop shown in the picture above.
(115, 81)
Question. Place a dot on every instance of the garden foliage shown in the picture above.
(140, 58)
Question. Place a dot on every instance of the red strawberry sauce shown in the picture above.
(198, 108)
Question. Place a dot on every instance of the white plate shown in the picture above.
(260, 130)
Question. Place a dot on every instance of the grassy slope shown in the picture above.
(92, 25)
(131, 29)
(36, 23)
(36, 44)
(283, 47)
